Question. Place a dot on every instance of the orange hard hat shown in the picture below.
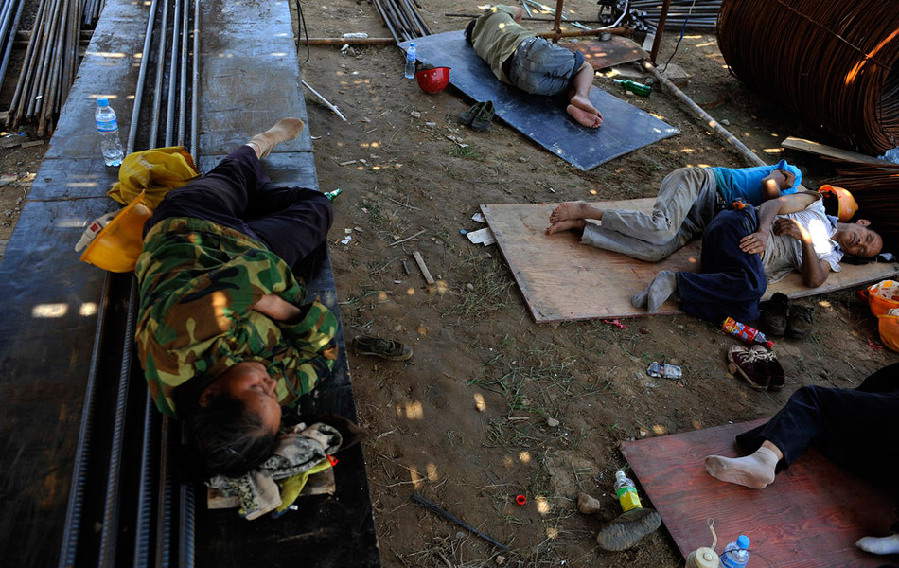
(117, 246)
(846, 205)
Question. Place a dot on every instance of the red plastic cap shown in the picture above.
(332, 460)
(521, 500)
(769, 344)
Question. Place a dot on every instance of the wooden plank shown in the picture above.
(802, 145)
(808, 518)
(562, 280)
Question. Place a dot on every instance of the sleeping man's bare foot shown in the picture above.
(584, 104)
(574, 210)
(576, 225)
(583, 117)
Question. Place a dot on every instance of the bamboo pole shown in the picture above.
(657, 40)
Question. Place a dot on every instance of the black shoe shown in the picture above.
(774, 314)
(799, 322)
(383, 348)
(483, 118)
(466, 117)
(628, 529)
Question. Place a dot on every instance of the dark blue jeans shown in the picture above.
(292, 221)
(729, 282)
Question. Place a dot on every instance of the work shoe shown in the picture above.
(750, 365)
(628, 529)
(466, 117)
(774, 314)
(773, 370)
(483, 118)
(799, 322)
(285, 129)
(383, 348)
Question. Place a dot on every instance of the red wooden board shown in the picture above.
(602, 54)
(810, 517)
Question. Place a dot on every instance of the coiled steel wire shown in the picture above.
(833, 63)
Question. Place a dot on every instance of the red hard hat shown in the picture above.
(433, 80)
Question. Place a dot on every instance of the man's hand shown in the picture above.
(790, 228)
(754, 243)
(276, 308)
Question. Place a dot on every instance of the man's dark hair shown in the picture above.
(228, 440)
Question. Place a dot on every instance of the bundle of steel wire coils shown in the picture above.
(835, 63)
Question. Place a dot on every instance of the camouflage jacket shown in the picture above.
(198, 282)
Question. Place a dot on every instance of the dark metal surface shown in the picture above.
(601, 54)
(625, 127)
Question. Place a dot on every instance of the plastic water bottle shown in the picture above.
(108, 128)
(626, 492)
(410, 61)
(745, 333)
(736, 553)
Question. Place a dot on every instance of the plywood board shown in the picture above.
(602, 54)
(808, 518)
(543, 119)
(825, 151)
(563, 280)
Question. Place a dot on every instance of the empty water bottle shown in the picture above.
(108, 128)
(736, 553)
(626, 492)
(410, 61)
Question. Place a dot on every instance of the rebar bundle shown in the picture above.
(51, 60)
(833, 63)
(681, 13)
(10, 15)
(402, 19)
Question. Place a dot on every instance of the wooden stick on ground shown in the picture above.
(325, 101)
(748, 154)
(423, 267)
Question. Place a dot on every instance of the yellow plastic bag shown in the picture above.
(153, 173)
(117, 246)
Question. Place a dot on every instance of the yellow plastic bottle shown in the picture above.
(626, 492)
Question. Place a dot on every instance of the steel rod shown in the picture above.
(557, 28)
(173, 76)
(195, 91)
(182, 101)
(526, 18)
(144, 514)
(110, 527)
(4, 65)
(137, 103)
(456, 520)
(160, 71)
(71, 531)
(164, 499)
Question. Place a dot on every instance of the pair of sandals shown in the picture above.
(758, 366)
(479, 117)
(780, 318)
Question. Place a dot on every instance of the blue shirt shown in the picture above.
(746, 184)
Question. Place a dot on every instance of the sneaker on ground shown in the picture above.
(383, 348)
(750, 365)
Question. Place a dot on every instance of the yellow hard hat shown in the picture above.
(118, 245)
(846, 205)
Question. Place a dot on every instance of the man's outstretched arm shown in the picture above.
(767, 212)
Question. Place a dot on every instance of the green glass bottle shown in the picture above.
(638, 89)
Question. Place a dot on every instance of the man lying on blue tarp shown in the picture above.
(518, 57)
(745, 249)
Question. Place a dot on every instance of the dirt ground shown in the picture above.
(494, 405)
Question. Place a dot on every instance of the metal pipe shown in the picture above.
(195, 91)
(173, 76)
(160, 71)
(182, 103)
(657, 40)
(110, 527)
(25, 73)
(71, 531)
(558, 20)
(526, 18)
(141, 79)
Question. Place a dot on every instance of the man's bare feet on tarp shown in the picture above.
(561, 226)
(583, 117)
(584, 104)
(571, 211)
